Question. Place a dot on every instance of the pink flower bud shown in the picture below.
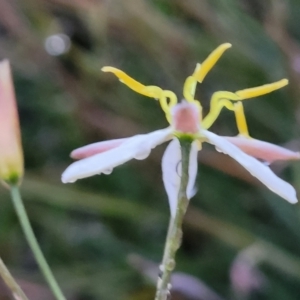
(11, 154)
(263, 150)
(186, 117)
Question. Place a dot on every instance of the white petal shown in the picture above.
(256, 168)
(96, 148)
(172, 170)
(138, 147)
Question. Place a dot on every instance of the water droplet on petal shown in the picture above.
(142, 154)
(219, 150)
(107, 171)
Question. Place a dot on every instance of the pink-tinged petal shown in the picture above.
(96, 148)
(256, 168)
(138, 147)
(172, 169)
(263, 150)
(186, 117)
(11, 153)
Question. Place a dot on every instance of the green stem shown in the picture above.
(11, 283)
(166, 253)
(174, 235)
(31, 239)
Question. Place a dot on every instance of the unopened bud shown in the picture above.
(11, 154)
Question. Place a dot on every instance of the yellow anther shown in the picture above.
(261, 90)
(202, 70)
(149, 91)
(241, 119)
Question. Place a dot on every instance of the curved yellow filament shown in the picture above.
(216, 106)
(166, 98)
(202, 70)
(217, 103)
(261, 90)
(220, 99)
(149, 91)
(189, 89)
(241, 119)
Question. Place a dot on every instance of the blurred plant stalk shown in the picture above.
(174, 235)
(11, 283)
(33, 243)
(12, 169)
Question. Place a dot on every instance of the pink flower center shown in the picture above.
(186, 117)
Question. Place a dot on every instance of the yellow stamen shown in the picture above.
(202, 70)
(218, 97)
(217, 103)
(164, 103)
(149, 91)
(189, 89)
(172, 97)
(167, 105)
(167, 99)
(261, 90)
(241, 119)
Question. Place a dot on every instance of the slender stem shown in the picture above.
(174, 236)
(31, 239)
(166, 253)
(11, 283)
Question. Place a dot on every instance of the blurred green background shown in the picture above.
(103, 236)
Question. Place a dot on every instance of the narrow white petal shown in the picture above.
(172, 170)
(256, 168)
(138, 147)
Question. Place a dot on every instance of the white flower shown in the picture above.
(185, 119)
